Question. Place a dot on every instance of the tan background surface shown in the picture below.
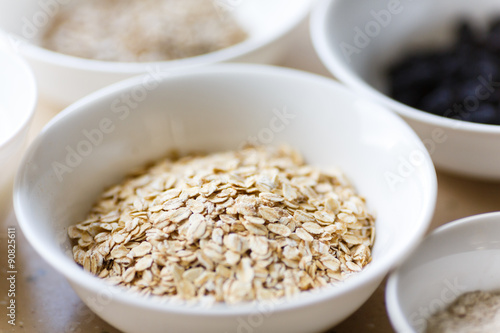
(47, 304)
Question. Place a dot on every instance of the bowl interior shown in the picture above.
(455, 259)
(262, 19)
(17, 96)
(95, 142)
(364, 39)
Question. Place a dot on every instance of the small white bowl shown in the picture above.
(357, 41)
(18, 97)
(96, 141)
(459, 257)
(64, 79)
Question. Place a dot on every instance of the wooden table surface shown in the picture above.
(46, 303)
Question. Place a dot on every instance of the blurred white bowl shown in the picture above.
(96, 141)
(358, 40)
(18, 96)
(456, 258)
(64, 79)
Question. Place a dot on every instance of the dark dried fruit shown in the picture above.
(453, 82)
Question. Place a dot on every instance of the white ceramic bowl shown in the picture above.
(64, 78)
(97, 140)
(18, 96)
(357, 40)
(458, 257)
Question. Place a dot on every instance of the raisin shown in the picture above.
(450, 82)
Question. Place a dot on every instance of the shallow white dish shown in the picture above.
(212, 109)
(357, 40)
(456, 258)
(18, 97)
(64, 79)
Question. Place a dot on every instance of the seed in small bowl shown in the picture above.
(475, 311)
(141, 30)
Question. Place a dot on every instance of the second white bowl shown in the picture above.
(64, 79)
(18, 97)
(358, 40)
(459, 257)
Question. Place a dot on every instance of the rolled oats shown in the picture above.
(254, 224)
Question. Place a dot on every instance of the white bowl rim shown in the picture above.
(321, 41)
(396, 316)
(76, 275)
(249, 45)
(32, 93)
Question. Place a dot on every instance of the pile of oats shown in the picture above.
(253, 224)
(141, 30)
